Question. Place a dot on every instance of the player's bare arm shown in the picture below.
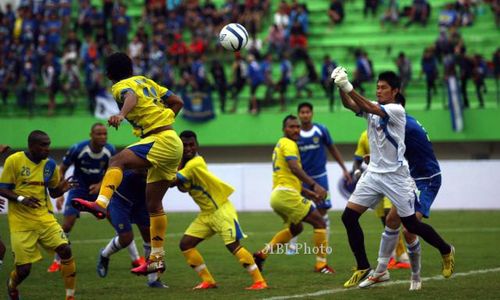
(175, 103)
(64, 185)
(299, 172)
(129, 102)
(28, 201)
(311, 195)
(4, 148)
(366, 105)
(60, 200)
(348, 102)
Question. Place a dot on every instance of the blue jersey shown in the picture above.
(89, 166)
(132, 189)
(419, 153)
(312, 146)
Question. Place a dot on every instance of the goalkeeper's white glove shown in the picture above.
(341, 80)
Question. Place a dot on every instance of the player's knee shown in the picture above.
(392, 222)
(64, 251)
(125, 238)
(350, 217)
(296, 229)
(185, 244)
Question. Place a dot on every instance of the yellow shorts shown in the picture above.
(382, 206)
(223, 221)
(290, 205)
(164, 151)
(25, 244)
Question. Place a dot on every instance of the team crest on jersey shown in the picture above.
(316, 139)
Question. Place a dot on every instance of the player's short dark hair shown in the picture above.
(97, 124)
(289, 117)
(391, 78)
(401, 99)
(189, 134)
(119, 66)
(305, 104)
(35, 136)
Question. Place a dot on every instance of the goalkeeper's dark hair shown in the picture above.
(36, 136)
(189, 134)
(289, 117)
(391, 78)
(400, 99)
(305, 104)
(119, 66)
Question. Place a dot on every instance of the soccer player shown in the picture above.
(3, 149)
(314, 139)
(151, 110)
(382, 209)
(425, 170)
(217, 216)
(24, 182)
(128, 206)
(387, 173)
(287, 200)
(90, 159)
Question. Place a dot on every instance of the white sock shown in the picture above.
(293, 242)
(147, 251)
(132, 251)
(414, 254)
(112, 247)
(327, 221)
(387, 244)
(70, 292)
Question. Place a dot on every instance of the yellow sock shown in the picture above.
(68, 270)
(319, 238)
(400, 248)
(194, 259)
(246, 259)
(282, 237)
(110, 183)
(157, 229)
(13, 279)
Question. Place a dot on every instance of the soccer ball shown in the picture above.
(233, 37)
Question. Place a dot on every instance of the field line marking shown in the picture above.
(397, 282)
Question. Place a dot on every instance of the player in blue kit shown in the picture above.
(314, 140)
(128, 206)
(424, 169)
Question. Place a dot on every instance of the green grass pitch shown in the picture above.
(475, 234)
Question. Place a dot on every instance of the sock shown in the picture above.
(147, 251)
(327, 222)
(293, 242)
(400, 247)
(282, 237)
(68, 271)
(246, 259)
(425, 231)
(194, 259)
(321, 243)
(356, 238)
(112, 247)
(13, 280)
(110, 183)
(157, 229)
(132, 251)
(414, 254)
(387, 244)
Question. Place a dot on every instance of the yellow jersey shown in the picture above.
(285, 150)
(363, 147)
(206, 189)
(150, 111)
(28, 179)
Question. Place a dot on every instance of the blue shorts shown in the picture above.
(123, 213)
(428, 189)
(69, 210)
(323, 181)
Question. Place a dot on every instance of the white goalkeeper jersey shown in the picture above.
(386, 137)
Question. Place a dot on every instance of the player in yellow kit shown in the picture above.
(26, 177)
(362, 153)
(151, 110)
(217, 216)
(287, 198)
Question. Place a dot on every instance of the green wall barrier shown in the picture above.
(241, 129)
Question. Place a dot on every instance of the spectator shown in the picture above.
(254, 45)
(70, 81)
(4, 91)
(198, 72)
(496, 72)
(50, 76)
(255, 78)
(178, 49)
(53, 31)
(311, 76)
(391, 13)
(336, 12)
(364, 70)
(135, 48)
(328, 86)
(370, 6)
(198, 45)
(419, 13)
(240, 71)
(85, 18)
(220, 82)
(464, 9)
(478, 75)
(495, 9)
(285, 79)
(404, 69)
(276, 40)
(429, 66)
(448, 17)
(281, 17)
(121, 27)
(466, 66)
(267, 65)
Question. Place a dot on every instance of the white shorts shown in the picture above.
(398, 186)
